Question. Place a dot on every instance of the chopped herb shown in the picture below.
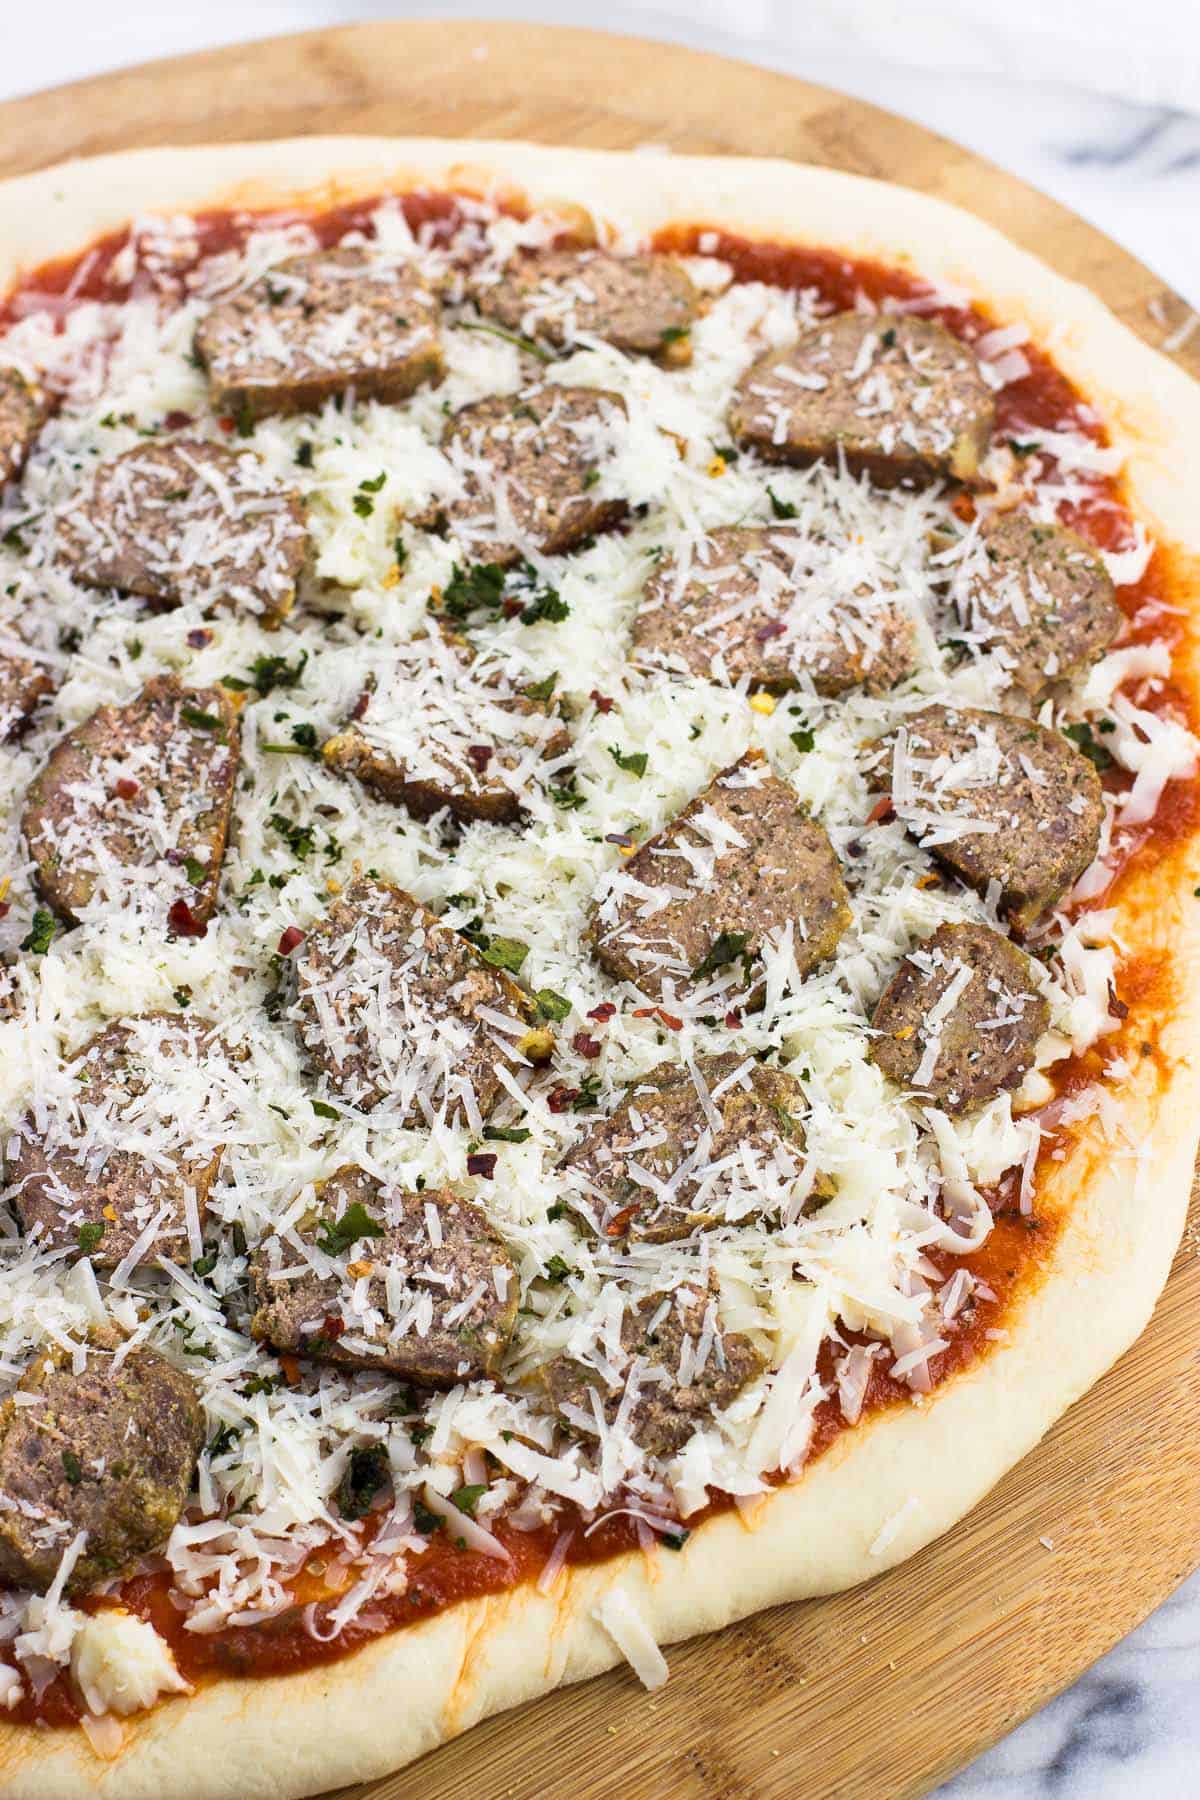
(547, 604)
(365, 1476)
(673, 334)
(478, 587)
(675, 1540)
(591, 478)
(541, 690)
(204, 1265)
(557, 1211)
(552, 1005)
(134, 648)
(426, 1521)
(300, 839)
(336, 1235)
(558, 1268)
(268, 673)
(72, 1467)
(304, 454)
(728, 948)
(374, 485)
(505, 953)
(90, 1234)
(69, 639)
(507, 1134)
(781, 509)
(1023, 449)
(728, 453)
(195, 870)
(182, 996)
(202, 721)
(257, 1384)
(1084, 739)
(243, 419)
(888, 338)
(41, 932)
(467, 1498)
(509, 337)
(634, 762)
(323, 1111)
(588, 1094)
(803, 738)
(567, 796)
(364, 506)
(399, 552)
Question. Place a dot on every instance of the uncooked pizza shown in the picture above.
(600, 814)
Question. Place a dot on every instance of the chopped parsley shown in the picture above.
(477, 588)
(41, 932)
(552, 1005)
(324, 1111)
(195, 870)
(729, 947)
(424, 1519)
(72, 1467)
(336, 1235)
(202, 721)
(1084, 739)
(266, 674)
(505, 953)
(467, 1498)
(90, 1234)
(634, 762)
(781, 509)
(300, 839)
(507, 1134)
(803, 738)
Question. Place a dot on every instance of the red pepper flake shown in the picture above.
(361, 704)
(559, 1098)
(963, 507)
(479, 756)
(733, 1018)
(601, 701)
(585, 1045)
(126, 788)
(484, 1164)
(291, 1369)
(198, 638)
(176, 420)
(5, 908)
(882, 812)
(289, 940)
(184, 923)
(512, 607)
(226, 424)
(657, 1012)
(332, 1326)
(602, 1013)
(775, 628)
(620, 1222)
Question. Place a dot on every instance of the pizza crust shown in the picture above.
(899, 1480)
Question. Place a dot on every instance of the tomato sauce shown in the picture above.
(1020, 1243)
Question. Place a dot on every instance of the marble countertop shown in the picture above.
(1131, 1725)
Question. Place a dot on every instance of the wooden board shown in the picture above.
(875, 1694)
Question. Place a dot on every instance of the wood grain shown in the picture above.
(879, 1693)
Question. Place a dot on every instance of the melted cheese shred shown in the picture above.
(902, 1181)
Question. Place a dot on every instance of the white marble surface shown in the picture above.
(1131, 1726)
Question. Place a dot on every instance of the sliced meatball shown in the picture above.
(189, 522)
(752, 606)
(684, 1365)
(960, 1020)
(427, 1290)
(110, 1168)
(132, 807)
(690, 913)
(1038, 594)
(318, 327)
(528, 464)
(443, 729)
(643, 304)
(109, 1449)
(684, 1151)
(23, 683)
(394, 1006)
(24, 409)
(900, 398)
(1005, 804)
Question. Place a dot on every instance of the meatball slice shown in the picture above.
(743, 863)
(108, 1170)
(318, 327)
(416, 1284)
(24, 409)
(109, 1449)
(1006, 805)
(189, 522)
(445, 730)
(642, 304)
(528, 465)
(23, 683)
(132, 807)
(960, 1020)
(1038, 594)
(686, 1151)
(394, 1006)
(747, 607)
(900, 398)
(680, 1364)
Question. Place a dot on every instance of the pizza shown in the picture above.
(599, 948)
